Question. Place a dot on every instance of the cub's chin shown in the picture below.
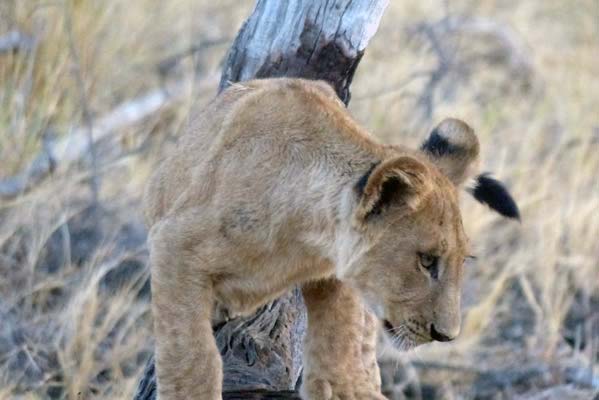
(400, 337)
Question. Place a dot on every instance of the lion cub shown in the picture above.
(275, 185)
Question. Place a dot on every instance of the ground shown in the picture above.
(74, 305)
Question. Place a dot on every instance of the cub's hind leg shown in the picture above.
(188, 364)
(339, 346)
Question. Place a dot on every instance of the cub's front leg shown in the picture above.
(188, 364)
(339, 348)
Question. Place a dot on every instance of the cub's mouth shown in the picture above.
(402, 337)
(388, 326)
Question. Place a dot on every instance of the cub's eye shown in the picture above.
(430, 263)
(428, 260)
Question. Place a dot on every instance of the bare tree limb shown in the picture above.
(298, 38)
(77, 144)
(74, 146)
(304, 38)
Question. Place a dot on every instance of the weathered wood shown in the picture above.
(304, 38)
(263, 351)
(298, 38)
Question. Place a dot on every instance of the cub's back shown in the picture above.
(252, 126)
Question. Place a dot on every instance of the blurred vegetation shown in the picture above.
(74, 307)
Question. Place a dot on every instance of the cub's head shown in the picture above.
(410, 265)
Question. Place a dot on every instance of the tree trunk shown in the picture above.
(311, 39)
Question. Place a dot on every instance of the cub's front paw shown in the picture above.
(332, 389)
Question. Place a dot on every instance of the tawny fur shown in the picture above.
(262, 193)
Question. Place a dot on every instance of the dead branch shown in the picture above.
(80, 143)
(75, 146)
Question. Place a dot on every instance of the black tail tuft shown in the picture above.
(491, 192)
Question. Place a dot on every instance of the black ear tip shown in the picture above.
(491, 192)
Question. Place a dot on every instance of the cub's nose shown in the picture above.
(440, 336)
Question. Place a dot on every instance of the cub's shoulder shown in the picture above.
(278, 88)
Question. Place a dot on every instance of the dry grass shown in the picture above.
(66, 327)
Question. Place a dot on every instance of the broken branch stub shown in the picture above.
(304, 38)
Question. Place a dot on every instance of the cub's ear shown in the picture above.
(453, 147)
(491, 192)
(401, 182)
